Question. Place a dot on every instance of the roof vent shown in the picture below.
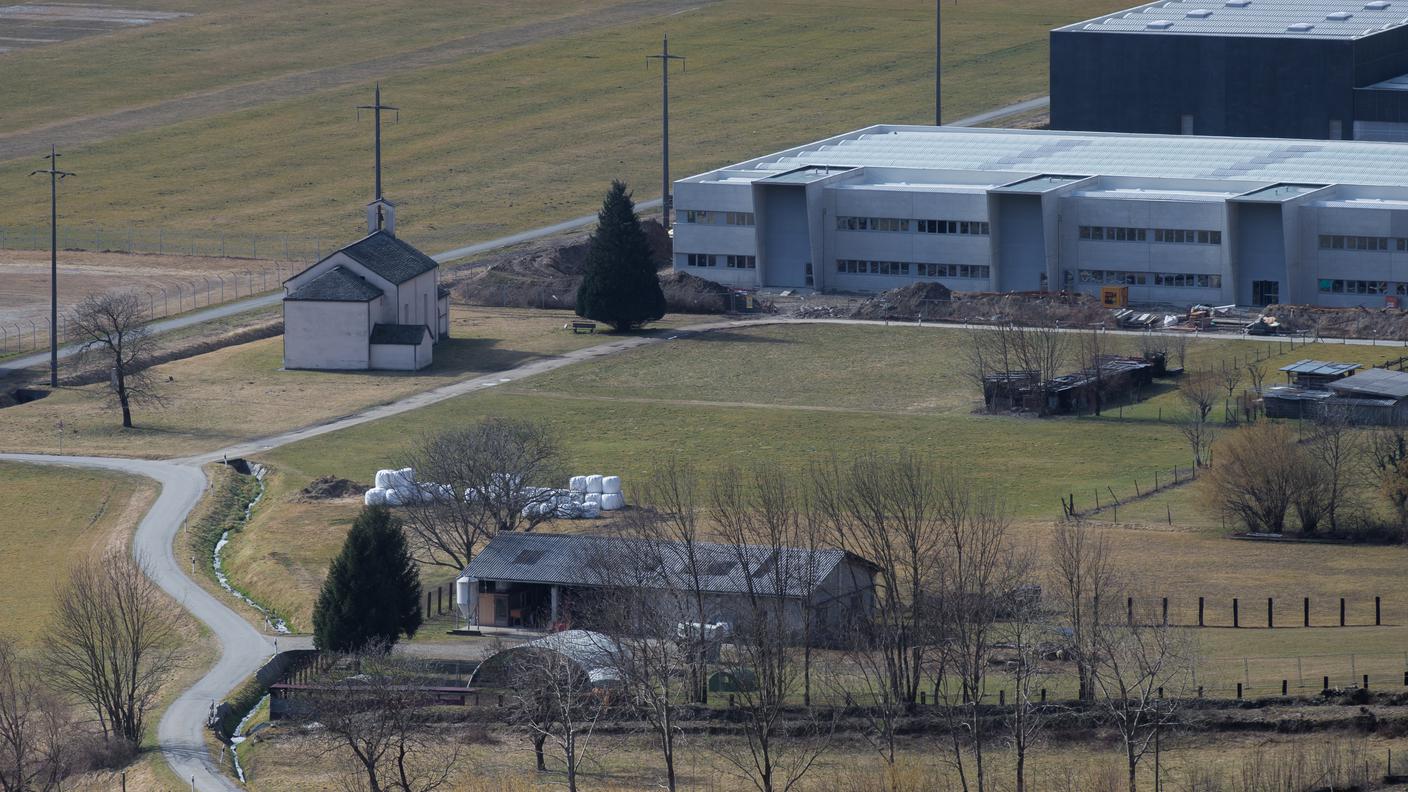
(1198, 13)
(1237, 3)
(1377, 5)
(1339, 16)
(1159, 24)
(1300, 27)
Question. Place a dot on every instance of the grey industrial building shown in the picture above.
(1178, 219)
(1328, 69)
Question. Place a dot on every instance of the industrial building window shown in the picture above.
(859, 267)
(1114, 234)
(699, 216)
(741, 262)
(1342, 242)
(1328, 286)
(739, 218)
(1183, 236)
(872, 224)
(1180, 280)
(1187, 236)
(700, 259)
(930, 270)
(960, 227)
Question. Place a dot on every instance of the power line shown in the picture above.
(664, 57)
(54, 176)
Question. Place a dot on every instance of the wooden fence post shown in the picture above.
(1341, 611)
(1378, 612)
(1270, 617)
(1129, 610)
(1307, 611)
(1235, 619)
(1200, 611)
(1165, 611)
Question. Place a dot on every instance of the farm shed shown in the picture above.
(1376, 396)
(535, 581)
(1288, 401)
(1317, 374)
(1116, 378)
(592, 654)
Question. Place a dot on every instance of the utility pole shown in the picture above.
(54, 176)
(376, 107)
(664, 57)
(938, 66)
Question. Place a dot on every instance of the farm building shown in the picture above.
(1327, 69)
(1176, 219)
(1117, 379)
(1317, 374)
(533, 581)
(374, 304)
(1376, 397)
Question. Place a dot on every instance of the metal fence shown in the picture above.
(173, 297)
(168, 242)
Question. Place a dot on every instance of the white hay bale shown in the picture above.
(568, 511)
(594, 483)
(593, 498)
(375, 496)
(578, 484)
(385, 479)
(394, 498)
(612, 502)
(611, 485)
(590, 511)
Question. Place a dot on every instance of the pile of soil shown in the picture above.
(330, 488)
(923, 299)
(543, 274)
(934, 302)
(686, 293)
(1391, 323)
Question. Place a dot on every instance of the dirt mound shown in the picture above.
(330, 488)
(924, 299)
(686, 293)
(934, 302)
(1356, 322)
(543, 274)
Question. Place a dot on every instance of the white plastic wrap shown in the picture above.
(568, 511)
(394, 498)
(594, 483)
(593, 498)
(385, 479)
(374, 497)
(611, 485)
(612, 502)
(578, 484)
(590, 511)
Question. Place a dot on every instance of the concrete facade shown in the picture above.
(1179, 220)
(1324, 69)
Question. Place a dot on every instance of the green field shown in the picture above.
(57, 515)
(490, 141)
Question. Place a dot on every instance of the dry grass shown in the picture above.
(56, 515)
(241, 393)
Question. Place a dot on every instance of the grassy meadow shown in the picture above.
(494, 141)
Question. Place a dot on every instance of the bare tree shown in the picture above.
(1388, 452)
(554, 700)
(35, 728)
(1256, 372)
(1199, 389)
(1095, 347)
(1229, 377)
(113, 335)
(1085, 581)
(1200, 435)
(371, 707)
(1140, 672)
(1337, 449)
(113, 641)
(478, 481)
(1029, 636)
(1033, 352)
(1256, 475)
(1180, 349)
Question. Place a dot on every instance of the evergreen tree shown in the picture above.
(372, 593)
(620, 286)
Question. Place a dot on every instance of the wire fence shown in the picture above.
(174, 297)
(162, 241)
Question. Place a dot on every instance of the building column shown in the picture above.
(471, 603)
(553, 619)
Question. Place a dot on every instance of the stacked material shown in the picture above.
(603, 491)
(585, 498)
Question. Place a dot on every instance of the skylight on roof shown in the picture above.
(1198, 13)
(1300, 27)
(1237, 3)
(1339, 16)
(1377, 5)
(1159, 24)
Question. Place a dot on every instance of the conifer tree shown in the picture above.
(371, 596)
(620, 286)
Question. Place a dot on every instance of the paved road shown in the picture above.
(1002, 112)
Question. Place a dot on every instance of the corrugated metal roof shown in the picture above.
(1374, 383)
(576, 560)
(1318, 19)
(1319, 368)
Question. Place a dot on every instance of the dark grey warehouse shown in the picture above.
(1326, 69)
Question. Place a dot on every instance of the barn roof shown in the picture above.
(577, 560)
(1319, 368)
(1380, 383)
(338, 284)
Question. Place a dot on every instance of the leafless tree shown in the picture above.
(1256, 372)
(1152, 344)
(1085, 582)
(1229, 377)
(1028, 635)
(554, 700)
(113, 335)
(1200, 435)
(478, 481)
(113, 641)
(1199, 389)
(1388, 452)
(756, 516)
(371, 707)
(1337, 449)
(1095, 347)
(35, 727)
(1180, 349)
(1140, 672)
(1037, 351)
(1256, 475)
(672, 522)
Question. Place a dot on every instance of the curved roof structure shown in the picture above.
(593, 653)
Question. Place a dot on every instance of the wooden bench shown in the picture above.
(582, 327)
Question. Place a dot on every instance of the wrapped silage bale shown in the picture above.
(376, 496)
(385, 479)
(593, 498)
(590, 511)
(568, 511)
(393, 498)
(578, 484)
(594, 483)
(612, 502)
(611, 485)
